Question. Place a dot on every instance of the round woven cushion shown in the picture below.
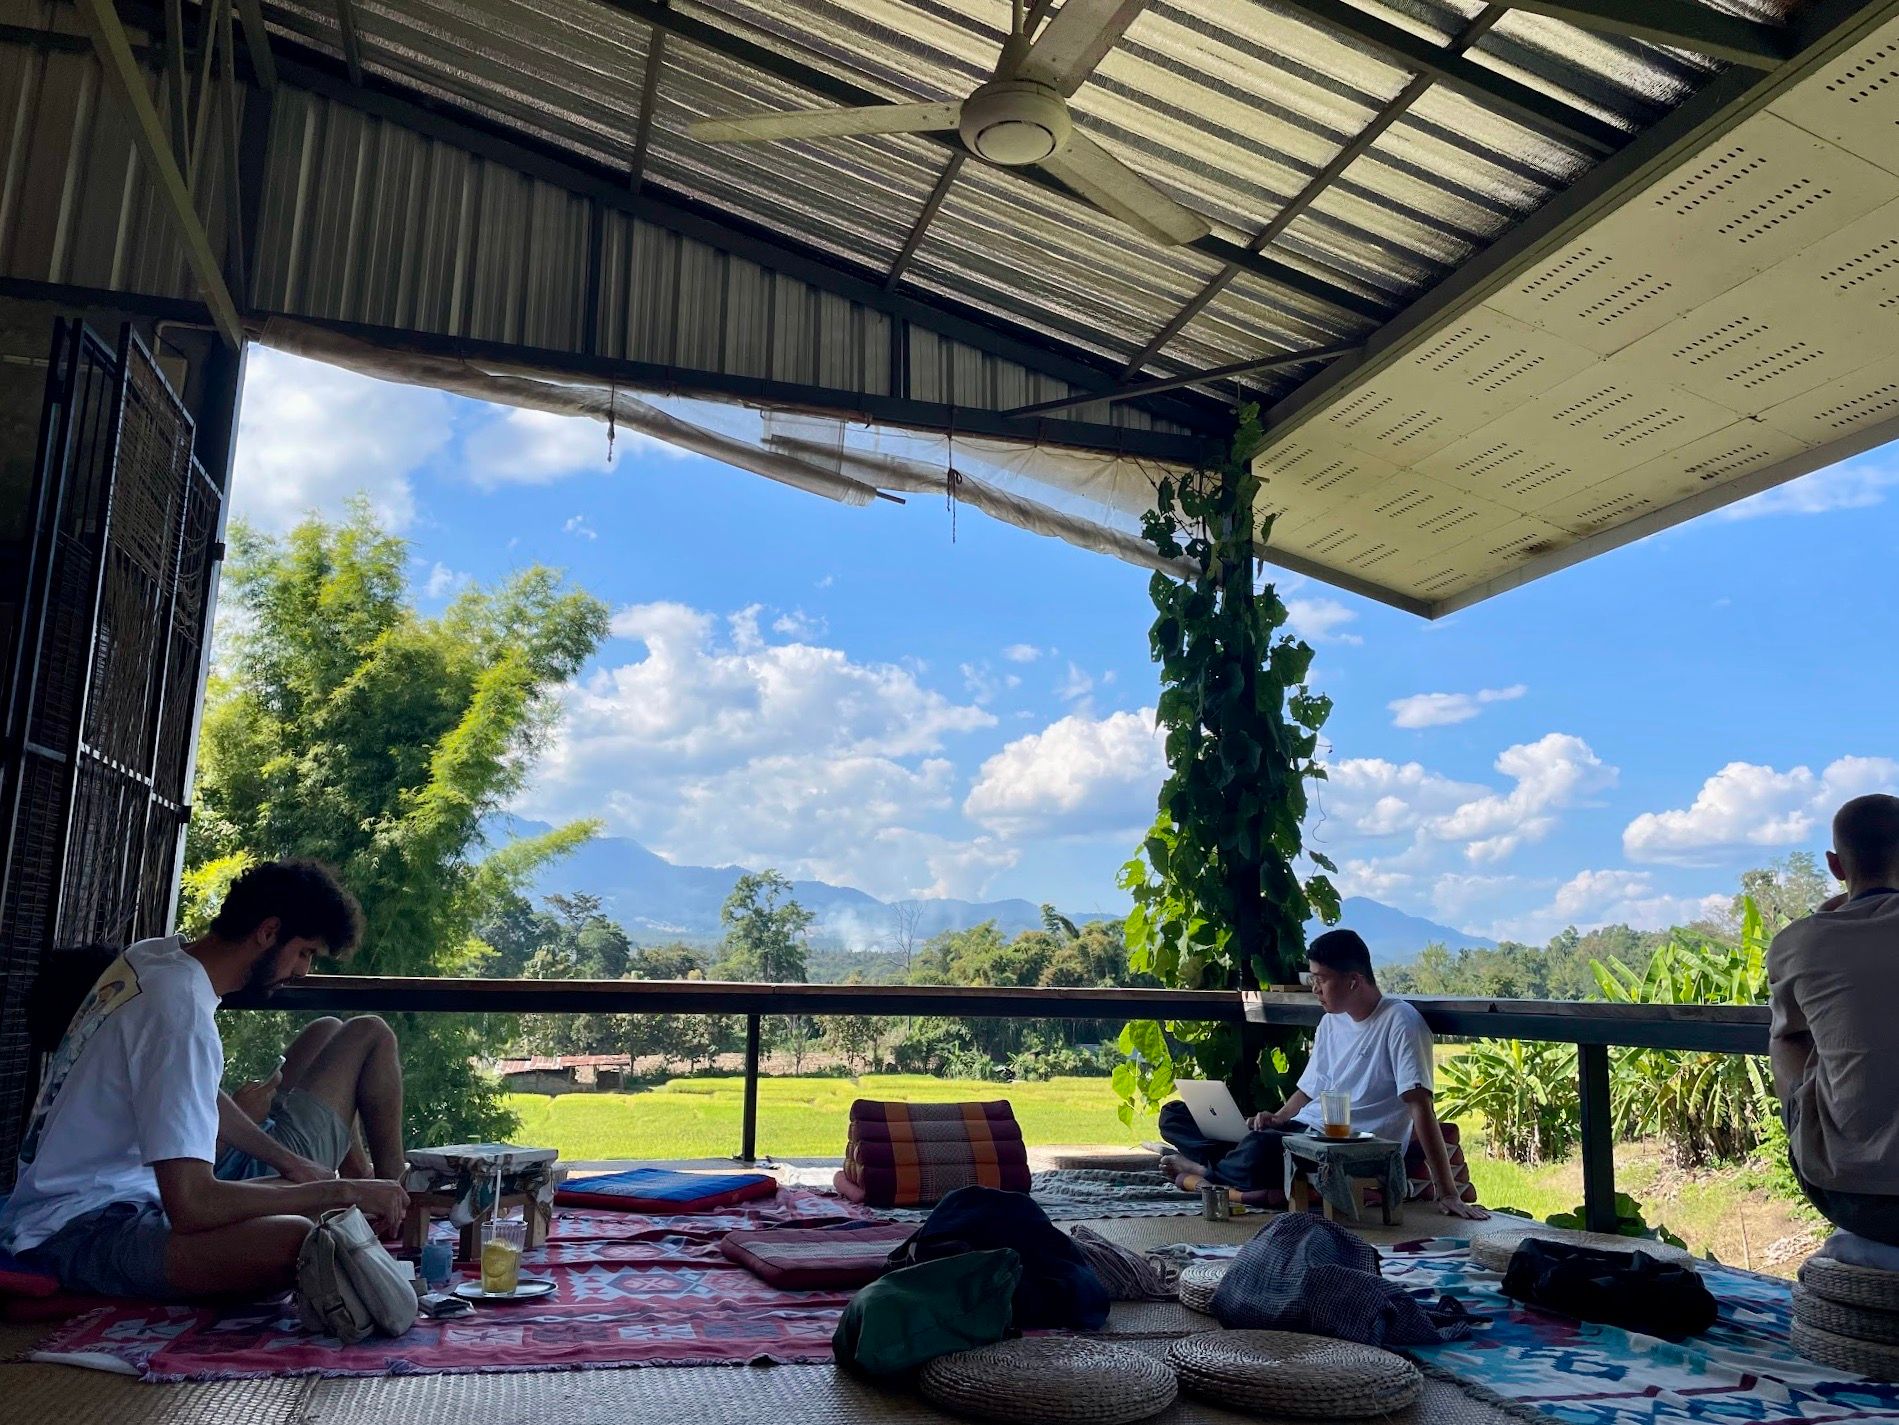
(1284, 1373)
(1494, 1249)
(1860, 1323)
(1860, 1358)
(1850, 1285)
(1046, 1381)
(1198, 1282)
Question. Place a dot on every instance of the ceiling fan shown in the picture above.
(1018, 119)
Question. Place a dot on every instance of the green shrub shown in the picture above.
(1706, 1107)
(1524, 1091)
(1629, 1221)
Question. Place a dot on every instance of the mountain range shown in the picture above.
(655, 899)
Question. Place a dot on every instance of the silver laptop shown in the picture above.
(1214, 1112)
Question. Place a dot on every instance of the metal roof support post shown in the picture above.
(124, 78)
(1276, 361)
(352, 46)
(649, 90)
(924, 219)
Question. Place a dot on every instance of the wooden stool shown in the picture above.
(1366, 1162)
(424, 1207)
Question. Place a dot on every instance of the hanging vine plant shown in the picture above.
(1219, 898)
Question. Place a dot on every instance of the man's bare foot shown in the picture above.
(1178, 1166)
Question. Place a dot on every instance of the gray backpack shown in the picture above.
(347, 1283)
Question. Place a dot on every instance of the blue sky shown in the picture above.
(846, 693)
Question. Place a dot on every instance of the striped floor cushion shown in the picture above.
(913, 1154)
(812, 1258)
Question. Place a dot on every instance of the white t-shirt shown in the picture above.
(135, 1082)
(1376, 1061)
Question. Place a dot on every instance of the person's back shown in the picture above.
(1834, 982)
(1839, 971)
(103, 1113)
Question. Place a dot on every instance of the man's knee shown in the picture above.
(371, 1031)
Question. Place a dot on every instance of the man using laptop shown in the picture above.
(1371, 1046)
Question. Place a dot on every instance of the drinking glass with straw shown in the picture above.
(501, 1246)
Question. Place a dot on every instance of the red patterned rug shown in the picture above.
(630, 1290)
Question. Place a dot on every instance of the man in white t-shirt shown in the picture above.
(116, 1192)
(1371, 1046)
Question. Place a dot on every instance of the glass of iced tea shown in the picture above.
(501, 1246)
(1335, 1113)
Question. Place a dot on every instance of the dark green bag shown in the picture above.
(915, 1314)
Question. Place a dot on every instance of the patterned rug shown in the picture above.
(1547, 1367)
(1065, 1194)
(630, 1290)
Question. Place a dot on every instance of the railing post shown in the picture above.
(748, 1133)
(1598, 1138)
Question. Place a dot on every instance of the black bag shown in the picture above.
(1632, 1290)
(1058, 1287)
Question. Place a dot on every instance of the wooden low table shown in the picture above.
(425, 1207)
(1352, 1165)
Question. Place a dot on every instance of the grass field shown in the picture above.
(807, 1118)
(797, 1117)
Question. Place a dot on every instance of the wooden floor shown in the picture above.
(703, 1395)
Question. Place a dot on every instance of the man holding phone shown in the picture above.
(116, 1193)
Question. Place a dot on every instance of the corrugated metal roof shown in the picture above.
(1229, 105)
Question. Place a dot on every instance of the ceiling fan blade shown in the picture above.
(1069, 46)
(1119, 191)
(829, 123)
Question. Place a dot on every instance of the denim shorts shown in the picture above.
(116, 1250)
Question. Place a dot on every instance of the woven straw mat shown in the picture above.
(1861, 1323)
(1285, 1373)
(1850, 1285)
(1198, 1282)
(1051, 1382)
(1494, 1249)
(1862, 1358)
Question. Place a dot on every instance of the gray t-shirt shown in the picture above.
(1835, 975)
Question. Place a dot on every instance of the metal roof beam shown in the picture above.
(1190, 378)
(924, 219)
(824, 83)
(352, 44)
(257, 41)
(1681, 24)
(1821, 31)
(1520, 102)
(1308, 195)
(649, 92)
(127, 82)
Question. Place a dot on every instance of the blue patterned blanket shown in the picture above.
(1545, 1366)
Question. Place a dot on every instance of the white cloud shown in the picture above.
(1075, 684)
(1851, 485)
(1443, 709)
(520, 447)
(1370, 797)
(984, 684)
(1610, 897)
(1021, 653)
(443, 581)
(717, 749)
(1321, 620)
(311, 437)
(577, 524)
(1079, 776)
(826, 582)
(1552, 773)
(1747, 805)
(799, 625)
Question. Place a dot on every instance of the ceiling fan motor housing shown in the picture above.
(1013, 122)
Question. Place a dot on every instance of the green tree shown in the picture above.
(1782, 891)
(347, 727)
(764, 930)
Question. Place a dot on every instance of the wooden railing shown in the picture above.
(1593, 1028)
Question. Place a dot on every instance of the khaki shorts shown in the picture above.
(304, 1124)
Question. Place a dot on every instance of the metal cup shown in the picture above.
(1213, 1203)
